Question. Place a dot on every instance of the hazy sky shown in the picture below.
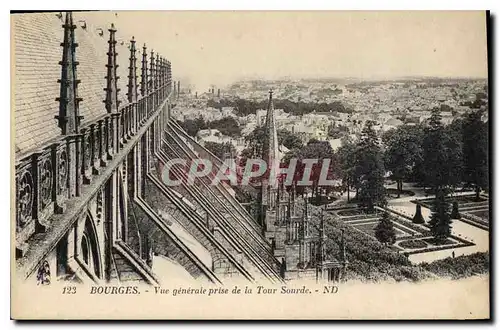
(220, 47)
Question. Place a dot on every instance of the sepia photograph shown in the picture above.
(250, 165)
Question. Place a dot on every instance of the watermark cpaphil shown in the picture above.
(304, 172)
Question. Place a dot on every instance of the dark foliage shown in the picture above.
(384, 231)
(246, 107)
(460, 267)
(370, 169)
(454, 212)
(418, 218)
(440, 223)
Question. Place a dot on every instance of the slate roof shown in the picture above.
(36, 40)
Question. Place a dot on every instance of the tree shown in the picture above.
(454, 212)
(245, 154)
(475, 149)
(227, 126)
(434, 152)
(440, 223)
(418, 218)
(442, 155)
(384, 231)
(346, 156)
(220, 149)
(455, 157)
(255, 141)
(289, 140)
(319, 150)
(337, 132)
(371, 169)
(403, 151)
(193, 126)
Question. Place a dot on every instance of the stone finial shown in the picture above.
(69, 117)
(165, 78)
(164, 71)
(132, 76)
(152, 70)
(111, 89)
(161, 71)
(169, 72)
(144, 71)
(157, 73)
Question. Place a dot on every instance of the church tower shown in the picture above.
(270, 155)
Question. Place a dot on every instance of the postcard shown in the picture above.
(171, 165)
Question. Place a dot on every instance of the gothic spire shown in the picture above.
(144, 72)
(132, 75)
(270, 152)
(270, 156)
(158, 70)
(169, 72)
(111, 89)
(161, 71)
(68, 118)
(165, 78)
(152, 70)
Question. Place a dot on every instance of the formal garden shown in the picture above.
(464, 201)
(410, 237)
(466, 208)
(371, 260)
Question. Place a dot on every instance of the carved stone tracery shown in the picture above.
(63, 172)
(25, 198)
(46, 177)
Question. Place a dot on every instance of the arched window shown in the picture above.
(85, 249)
(89, 249)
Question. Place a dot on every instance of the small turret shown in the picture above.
(144, 72)
(132, 76)
(111, 89)
(69, 114)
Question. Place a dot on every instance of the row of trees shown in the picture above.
(227, 126)
(246, 107)
(440, 157)
(361, 166)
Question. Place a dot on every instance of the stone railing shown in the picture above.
(49, 176)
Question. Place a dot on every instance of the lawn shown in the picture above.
(462, 200)
(404, 228)
(414, 244)
(354, 212)
(484, 214)
(444, 242)
(369, 228)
